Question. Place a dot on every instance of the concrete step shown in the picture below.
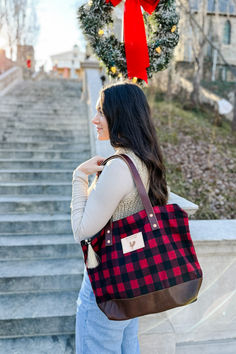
(32, 276)
(45, 145)
(35, 223)
(47, 89)
(83, 138)
(39, 98)
(21, 120)
(24, 247)
(36, 175)
(44, 164)
(46, 132)
(54, 344)
(40, 118)
(49, 154)
(72, 108)
(57, 104)
(44, 137)
(44, 109)
(16, 124)
(60, 136)
(36, 187)
(41, 94)
(45, 313)
(212, 316)
(45, 106)
(69, 133)
(33, 203)
(227, 346)
(37, 102)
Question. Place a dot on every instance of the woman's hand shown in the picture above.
(92, 165)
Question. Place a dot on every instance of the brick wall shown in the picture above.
(5, 63)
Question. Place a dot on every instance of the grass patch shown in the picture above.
(199, 156)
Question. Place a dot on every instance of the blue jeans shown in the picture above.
(95, 333)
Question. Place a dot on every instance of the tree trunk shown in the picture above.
(195, 95)
(169, 82)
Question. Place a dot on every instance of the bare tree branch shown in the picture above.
(2, 14)
(20, 21)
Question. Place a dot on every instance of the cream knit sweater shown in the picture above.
(114, 194)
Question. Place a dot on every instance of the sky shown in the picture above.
(59, 29)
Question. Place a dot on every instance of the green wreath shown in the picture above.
(161, 33)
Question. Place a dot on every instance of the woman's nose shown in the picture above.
(95, 119)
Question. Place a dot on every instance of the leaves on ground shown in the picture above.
(200, 157)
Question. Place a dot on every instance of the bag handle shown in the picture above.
(142, 192)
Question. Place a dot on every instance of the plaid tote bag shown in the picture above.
(144, 263)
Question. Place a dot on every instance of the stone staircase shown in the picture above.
(44, 136)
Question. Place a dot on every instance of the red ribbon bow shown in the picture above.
(136, 49)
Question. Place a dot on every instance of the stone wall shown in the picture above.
(5, 63)
(184, 51)
(9, 79)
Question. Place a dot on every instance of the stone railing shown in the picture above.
(207, 325)
(9, 79)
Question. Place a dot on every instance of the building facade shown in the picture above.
(25, 57)
(67, 64)
(219, 26)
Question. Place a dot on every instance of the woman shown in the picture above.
(123, 116)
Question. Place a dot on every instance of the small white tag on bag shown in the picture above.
(132, 242)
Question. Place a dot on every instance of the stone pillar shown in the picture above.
(26, 60)
(92, 85)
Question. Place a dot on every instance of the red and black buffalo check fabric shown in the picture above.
(167, 259)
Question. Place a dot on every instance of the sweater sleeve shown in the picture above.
(90, 213)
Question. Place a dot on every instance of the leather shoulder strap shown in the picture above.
(142, 192)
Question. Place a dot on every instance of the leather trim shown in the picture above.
(154, 302)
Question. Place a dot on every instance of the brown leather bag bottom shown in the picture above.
(157, 301)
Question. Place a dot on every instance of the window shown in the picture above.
(227, 32)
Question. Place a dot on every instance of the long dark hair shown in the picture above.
(130, 126)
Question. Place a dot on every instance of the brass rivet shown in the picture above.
(108, 231)
(151, 214)
(154, 225)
